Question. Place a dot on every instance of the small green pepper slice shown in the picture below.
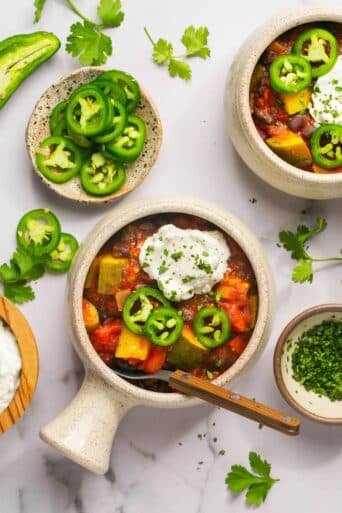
(326, 146)
(118, 124)
(128, 84)
(111, 89)
(87, 111)
(57, 115)
(102, 175)
(128, 146)
(290, 73)
(61, 257)
(164, 326)
(60, 160)
(319, 47)
(211, 326)
(139, 306)
(38, 232)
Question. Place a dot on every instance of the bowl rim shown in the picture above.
(120, 217)
(88, 199)
(19, 326)
(277, 357)
(266, 33)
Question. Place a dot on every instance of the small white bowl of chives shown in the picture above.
(311, 380)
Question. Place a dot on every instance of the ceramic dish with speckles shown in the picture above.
(38, 129)
(309, 404)
(84, 432)
(242, 130)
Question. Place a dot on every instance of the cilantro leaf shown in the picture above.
(87, 42)
(303, 271)
(291, 242)
(8, 273)
(162, 51)
(109, 12)
(180, 69)
(196, 41)
(257, 485)
(39, 5)
(23, 261)
(18, 292)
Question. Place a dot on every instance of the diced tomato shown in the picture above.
(130, 274)
(240, 317)
(105, 339)
(155, 360)
(237, 344)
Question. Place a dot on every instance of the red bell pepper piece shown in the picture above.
(155, 360)
(105, 339)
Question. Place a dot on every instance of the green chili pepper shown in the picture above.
(164, 326)
(20, 55)
(60, 159)
(128, 146)
(111, 89)
(138, 307)
(38, 232)
(290, 73)
(211, 326)
(319, 47)
(102, 175)
(57, 116)
(118, 124)
(87, 111)
(61, 257)
(326, 146)
(128, 84)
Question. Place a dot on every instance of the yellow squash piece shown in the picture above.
(90, 316)
(188, 353)
(296, 102)
(292, 148)
(93, 273)
(110, 272)
(131, 345)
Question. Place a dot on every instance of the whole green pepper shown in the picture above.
(20, 55)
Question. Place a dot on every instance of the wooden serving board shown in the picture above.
(30, 364)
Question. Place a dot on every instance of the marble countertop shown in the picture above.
(164, 461)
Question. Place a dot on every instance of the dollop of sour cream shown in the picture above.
(185, 262)
(327, 96)
(10, 366)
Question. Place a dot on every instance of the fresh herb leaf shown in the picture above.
(179, 69)
(39, 5)
(162, 51)
(18, 292)
(87, 42)
(110, 13)
(196, 42)
(257, 485)
(302, 271)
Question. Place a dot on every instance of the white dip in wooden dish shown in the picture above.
(10, 366)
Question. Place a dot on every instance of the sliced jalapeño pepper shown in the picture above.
(128, 146)
(60, 159)
(164, 326)
(290, 73)
(102, 175)
(38, 232)
(211, 326)
(128, 84)
(118, 123)
(57, 116)
(111, 89)
(138, 307)
(87, 111)
(61, 257)
(326, 146)
(319, 47)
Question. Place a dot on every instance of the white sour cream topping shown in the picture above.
(10, 366)
(185, 262)
(327, 96)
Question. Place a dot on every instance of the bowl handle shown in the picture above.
(85, 429)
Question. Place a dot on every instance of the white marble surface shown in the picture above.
(150, 471)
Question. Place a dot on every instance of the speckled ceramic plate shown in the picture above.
(38, 129)
(310, 404)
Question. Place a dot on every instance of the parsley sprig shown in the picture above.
(296, 244)
(257, 485)
(195, 41)
(86, 40)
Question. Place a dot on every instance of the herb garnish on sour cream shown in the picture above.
(184, 262)
(327, 96)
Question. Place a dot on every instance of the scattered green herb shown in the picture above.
(317, 360)
(295, 242)
(215, 439)
(257, 485)
(253, 200)
(222, 452)
(195, 41)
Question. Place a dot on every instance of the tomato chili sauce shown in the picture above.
(283, 105)
(103, 302)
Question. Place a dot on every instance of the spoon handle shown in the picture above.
(275, 419)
